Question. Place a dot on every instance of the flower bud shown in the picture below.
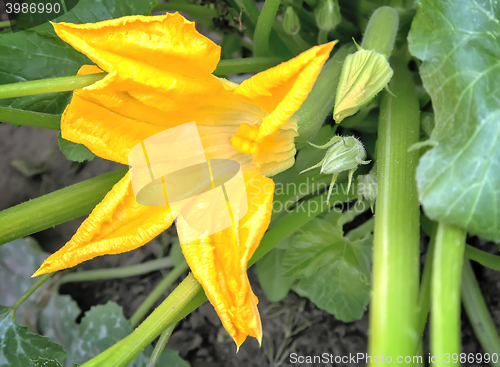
(367, 187)
(364, 74)
(327, 14)
(343, 154)
(291, 22)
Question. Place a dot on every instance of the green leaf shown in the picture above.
(19, 259)
(28, 55)
(310, 248)
(74, 151)
(168, 358)
(88, 11)
(273, 283)
(334, 271)
(38, 53)
(459, 43)
(58, 320)
(18, 346)
(43, 362)
(343, 287)
(102, 327)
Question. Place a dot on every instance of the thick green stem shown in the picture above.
(29, 118)
(57, 207)
(381, 30)
(48, 85)
(189, 295)
(264, 27)
(115, 273)
(445, 292)
(478, 313)
(246, 65)
(160, 346)
(489, 260)
(319, 103)
(29, 291)
(155, 295)
(393, 310)
(191, 9)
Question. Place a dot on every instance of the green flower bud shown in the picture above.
(343, 154)
(327, 14)
(364, 74)
(367, 187)
(291, 22)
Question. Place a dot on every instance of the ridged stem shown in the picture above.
(52, 85)
(57, 207)
(445, 292)
(393, 310)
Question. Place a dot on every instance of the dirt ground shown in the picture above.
(294, 325)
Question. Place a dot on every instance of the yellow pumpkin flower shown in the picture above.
(159, 76)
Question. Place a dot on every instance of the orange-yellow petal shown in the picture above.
(111, 122)
(160, 43)
(108, 134)
(158, 75)
(162, 61)
(276, 152)
(282, 89)
(117, 224)
(219, 262)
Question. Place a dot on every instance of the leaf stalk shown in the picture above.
(393, 311)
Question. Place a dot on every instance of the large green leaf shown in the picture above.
(38, 53)
(334, 270)
(459, 179)
(74, 151)
(58, 320)
(274, 284)
(18, 346)
(90, 11)
(19, 259)
(102, 327)
(44, 362)
(28, 55)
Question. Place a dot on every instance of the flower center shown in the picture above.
(245, 139)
